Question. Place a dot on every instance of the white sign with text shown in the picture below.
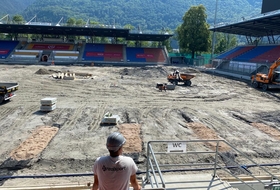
(177, 147)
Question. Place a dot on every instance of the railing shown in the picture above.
(199, 155)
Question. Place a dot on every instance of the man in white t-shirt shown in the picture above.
(115, 172)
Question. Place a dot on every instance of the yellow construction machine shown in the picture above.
(266, 81)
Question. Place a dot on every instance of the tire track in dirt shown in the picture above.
(145, 111)
(226, 132)
(59, 117)
(4, 111)
(218, 125)
(238, 131)
(272, 132)
(75, 116)
(25, 115)
(18, 117)
(99, 116)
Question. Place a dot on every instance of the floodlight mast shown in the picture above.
(58, 24)
(31, 19)
(214, 34)
(6, 16)
(87, 23)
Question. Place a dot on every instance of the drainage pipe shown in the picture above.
(138, 172)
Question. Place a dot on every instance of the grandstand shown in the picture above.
(258, 53)
(64, 51)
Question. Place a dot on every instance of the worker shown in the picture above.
(176, 73)
(115, 171)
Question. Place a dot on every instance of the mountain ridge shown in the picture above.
(12, 7)
(146, 14)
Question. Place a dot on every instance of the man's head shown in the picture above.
(115, 141)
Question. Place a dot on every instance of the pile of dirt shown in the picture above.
(43, 71)
(145, 72)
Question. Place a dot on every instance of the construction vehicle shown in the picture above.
(176, 78)
(266, 81)
(7, 91)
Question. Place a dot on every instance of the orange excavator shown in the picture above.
(266, 81)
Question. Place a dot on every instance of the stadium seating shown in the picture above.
(227, 53)
(268, 56)
(135, 54)
(103, 52)
(28, 55)
(239, 50)
(63, 56)
(51, 46)
(158, 55)
(145, 55)
(6, 47)
(249, 55)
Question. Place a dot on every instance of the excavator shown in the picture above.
(266, 81)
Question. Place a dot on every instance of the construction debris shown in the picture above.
(65, 76)
(110, 119)
(48, 104)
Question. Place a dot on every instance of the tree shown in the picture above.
(71, 22)
(2, 36)
(193, 33)
(80, 22)
(167, 43)
(224, 42)
(93, 22)
(18, 19)
(129, 26)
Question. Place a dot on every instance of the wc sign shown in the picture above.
(177, 147)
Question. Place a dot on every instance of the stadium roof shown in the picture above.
(148, 37)
(264, 25)
(79, 31)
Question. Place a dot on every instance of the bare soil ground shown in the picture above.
(70, 138)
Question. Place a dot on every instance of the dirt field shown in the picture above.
(70, 138)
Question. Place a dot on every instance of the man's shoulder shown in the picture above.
(126, 158)
(101, 158)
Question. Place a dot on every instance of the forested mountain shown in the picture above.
(148, 14)
(13, 6)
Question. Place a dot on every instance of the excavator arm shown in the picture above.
(265, 80)
(272, 68)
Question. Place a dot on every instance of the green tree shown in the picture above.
(154, 44)
(193, 33)
(224, 42)
(2, 36)
(167, 43)
(71, 22)
(129, 26)
(80, 22)
(93, 22)
(18, 19)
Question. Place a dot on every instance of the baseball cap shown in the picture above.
(115, 141)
